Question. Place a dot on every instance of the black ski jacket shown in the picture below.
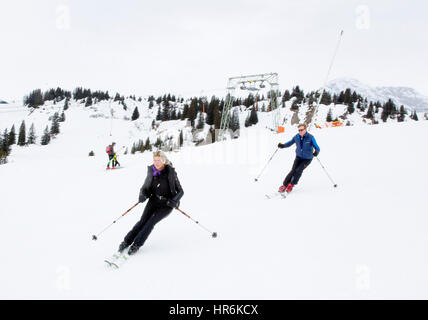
(174, 185)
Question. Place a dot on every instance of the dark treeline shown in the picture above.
(352, 100)
(37, 98)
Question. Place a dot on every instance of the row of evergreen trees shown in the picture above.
(9, 138)
(389, 110)
(167, 145)
(37, 97)
(24, 138)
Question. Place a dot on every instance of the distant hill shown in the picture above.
(408, 97)
(3, 102)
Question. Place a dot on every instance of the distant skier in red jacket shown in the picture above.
(111, 156)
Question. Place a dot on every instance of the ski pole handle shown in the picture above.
(130, 208)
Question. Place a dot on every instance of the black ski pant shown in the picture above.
(154, 212)
(296, 171)
(110, 159)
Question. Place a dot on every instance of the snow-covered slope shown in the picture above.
(105, 121)
(408, 97)
(365, 239)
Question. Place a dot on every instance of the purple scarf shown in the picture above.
(155, 171)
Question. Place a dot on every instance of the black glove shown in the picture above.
(141, 198)
(171, 203)
(280, 145)
(315, 153)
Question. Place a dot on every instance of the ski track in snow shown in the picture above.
(366, 239)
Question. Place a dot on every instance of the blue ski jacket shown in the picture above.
(304, 146)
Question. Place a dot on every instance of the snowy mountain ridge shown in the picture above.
(406, 96)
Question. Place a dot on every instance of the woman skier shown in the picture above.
(164, 192)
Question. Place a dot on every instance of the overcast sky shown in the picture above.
(151, 47)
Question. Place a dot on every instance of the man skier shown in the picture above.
(305, 145)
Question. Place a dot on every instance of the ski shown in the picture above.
(276, 194)
(117, 168)
(117, 260)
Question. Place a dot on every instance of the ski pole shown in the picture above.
(326, 79)
(95, 237)
(334, 184)
(257, 179)
(213, 234)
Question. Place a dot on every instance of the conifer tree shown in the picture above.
(193, 111)
(325, 99)
(34, 99)
(414, 116)
(200, 124)
(329, 115)
(341, 98)
(159, 114)
(211, 110)
(21, 135)
(165, 112)
(234, 122)
(55, 124)
(180, 139)
(31, 135)
(369, 114)
(135, 114)
(351, 108)
(253, 117)
(62, 117)
(148, 145)
(5, 141)
(158, 143)
(185, 113)
(12, 136)
(88, 101)
(247, 121)
(4, 147)
(217, 116)
(402, 113)
(347, 98)
(285, 97)
(46, 138)
(66, 104)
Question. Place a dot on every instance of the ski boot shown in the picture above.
(133, 249)
(289, 188)
(123, 246)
